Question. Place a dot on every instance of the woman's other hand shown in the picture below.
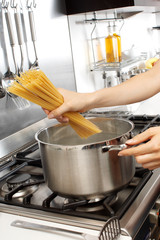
(147, 154)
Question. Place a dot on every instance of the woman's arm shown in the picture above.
(135, 89)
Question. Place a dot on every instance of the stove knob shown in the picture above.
(154, 217)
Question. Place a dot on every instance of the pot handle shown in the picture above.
(113, 148)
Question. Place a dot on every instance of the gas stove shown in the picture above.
(132, 212)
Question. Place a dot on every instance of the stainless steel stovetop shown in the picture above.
(24, 191)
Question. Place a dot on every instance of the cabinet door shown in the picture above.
(81, 6)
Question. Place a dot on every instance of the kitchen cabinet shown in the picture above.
(82, 6)
(73, 6)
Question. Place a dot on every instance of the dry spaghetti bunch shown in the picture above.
(34, 86)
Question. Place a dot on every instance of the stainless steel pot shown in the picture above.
(86, 168)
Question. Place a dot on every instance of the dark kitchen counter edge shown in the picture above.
(23, 138)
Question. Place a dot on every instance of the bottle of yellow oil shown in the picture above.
(117, 35)
(111, 46)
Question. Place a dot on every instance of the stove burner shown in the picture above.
(98, 205)
(17, 180)
(93, 205)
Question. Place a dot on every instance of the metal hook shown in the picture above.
(34, 4)
(13, 5)
(5, 4)
(28, 5)
(21, 6)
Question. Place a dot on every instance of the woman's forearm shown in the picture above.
(136, 89)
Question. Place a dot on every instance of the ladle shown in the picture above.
(9, 76)
(34, 65)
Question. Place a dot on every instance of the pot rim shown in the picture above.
(86, 145)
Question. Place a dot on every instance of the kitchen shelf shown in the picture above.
(123, 6)
(97, 43)
(99, 62)
(83, 6)
(116, 66)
